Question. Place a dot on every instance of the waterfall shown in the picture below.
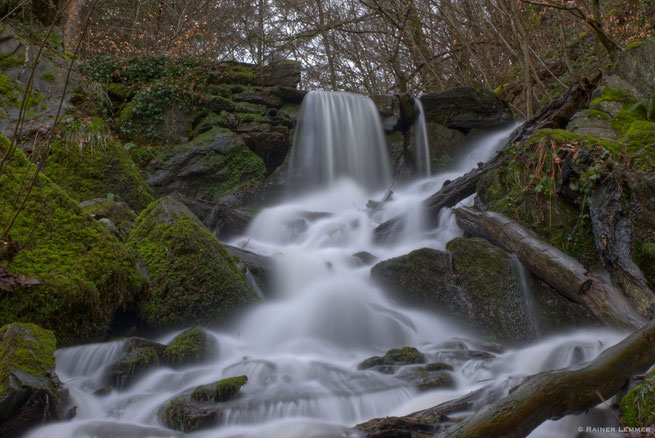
(301, 349)
(423, 165)
(339, 135)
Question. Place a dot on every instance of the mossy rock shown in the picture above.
(192, 278)
(392, 359)
(87, 273)
(118, 213)
(132, 365)
(221, 391)
(96, 169)
(638, 405)
(214, 164)
(29, 388)
(191, 346)
(200, 408)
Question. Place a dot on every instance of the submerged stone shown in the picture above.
(393, 358)
(141, 355)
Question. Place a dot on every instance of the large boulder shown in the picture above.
(193, 279)
(284, 73)
(465, 108)
(30, 392)
(208, 167)
(87, 273)
(479, 284)
(201, 407)
(635, 65)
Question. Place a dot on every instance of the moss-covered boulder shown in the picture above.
(87, 273)
(139, 356)
(192, 278)
(212, 165)
(191, 346)
(116, 216)
(201, 407)
(89, 163)
(30, 392)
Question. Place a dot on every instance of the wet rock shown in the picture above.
(463, 355)
(465, 108)
(227, 222)
(635, 65)
(192, 277)
(432, 376)
(476, 283)
(393, 358)
(30, 392)
(200, 408)
(271, 144)
(389, 108)
(260, 267)
(140, 355)
(365, 257)
(190, 347)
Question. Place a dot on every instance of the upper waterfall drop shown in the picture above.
(339, 135)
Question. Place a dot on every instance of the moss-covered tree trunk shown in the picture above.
(564, 273)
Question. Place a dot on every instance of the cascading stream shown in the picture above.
(300, 349)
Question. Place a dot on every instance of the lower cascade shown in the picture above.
(308, 350)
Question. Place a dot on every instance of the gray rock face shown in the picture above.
(465, 108)
(260, 97)
(389, 108)
(635, 65)
(47, 89)
(592, 122)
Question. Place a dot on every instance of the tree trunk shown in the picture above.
(72, 24)
(545, 396)
(554, 115)
(612, 230)
(564, 273)
(555, 394)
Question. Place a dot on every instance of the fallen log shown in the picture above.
(554, 115)
(612, 229)
(563, 272)
(555, 394)
(548, 395)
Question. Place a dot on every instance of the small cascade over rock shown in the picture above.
(423, 166)
(339, 135)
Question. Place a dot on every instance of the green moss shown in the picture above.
(8, 62)
(89, 169)
(405, 355)
(136, 362)
(597, 114)
(221, 391)
(509, 190)
(633, 44)
(87, 273)
(193, 345)
(610, 94)
(638, 405)
(28, 348)
(212, 120)
(193, 279)
(48, 77)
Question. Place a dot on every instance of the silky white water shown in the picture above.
(300, 348)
